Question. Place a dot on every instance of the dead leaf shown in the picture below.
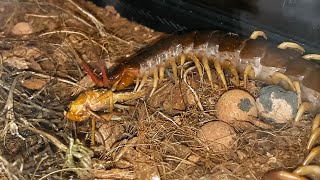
(15, 62)
(34, 83)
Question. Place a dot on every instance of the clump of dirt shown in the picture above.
(43, 45)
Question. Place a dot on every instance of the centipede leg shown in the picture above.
(313, 153)
(298, 90)
(248, 71)
(161, 72)
(310, 170)
(302, 108)
(315, 132)
(313, 138)
(234, 72)
(256, 34)
(208, 70)
(312, 56)
(93, 131)
(198, 66)
(281, 175)
(114, 86)
(278, 76)
(220, 73)
(316, 122)
(155, 82)
(137, 84)
(174, 70)
(291, 45)
(143, 81)
(182, 61)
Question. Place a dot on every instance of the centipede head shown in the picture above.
(121, 77)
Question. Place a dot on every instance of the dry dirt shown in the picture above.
(41, 43)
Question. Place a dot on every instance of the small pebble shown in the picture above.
(21, 28)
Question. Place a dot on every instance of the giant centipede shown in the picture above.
(254, 58)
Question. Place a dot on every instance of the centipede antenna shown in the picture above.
(291, 45)
(312, 56)
(89, 71)
(220, 73)
(316, 122)
(208, 70)
(155, 82)
(305, 106)
(191, 89)
(313, 153)
(278, 76)
(105, 79)
(198, 66)
(174, 70)
(143, 81)
(256, 34)
(298, 90)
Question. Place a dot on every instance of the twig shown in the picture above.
(51, 77)
(26, 99)
(51, 138)
(191, 89)
(168, 118)
(40, 16)
(9, 114)
(96, 22)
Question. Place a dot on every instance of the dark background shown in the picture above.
(282, 20)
